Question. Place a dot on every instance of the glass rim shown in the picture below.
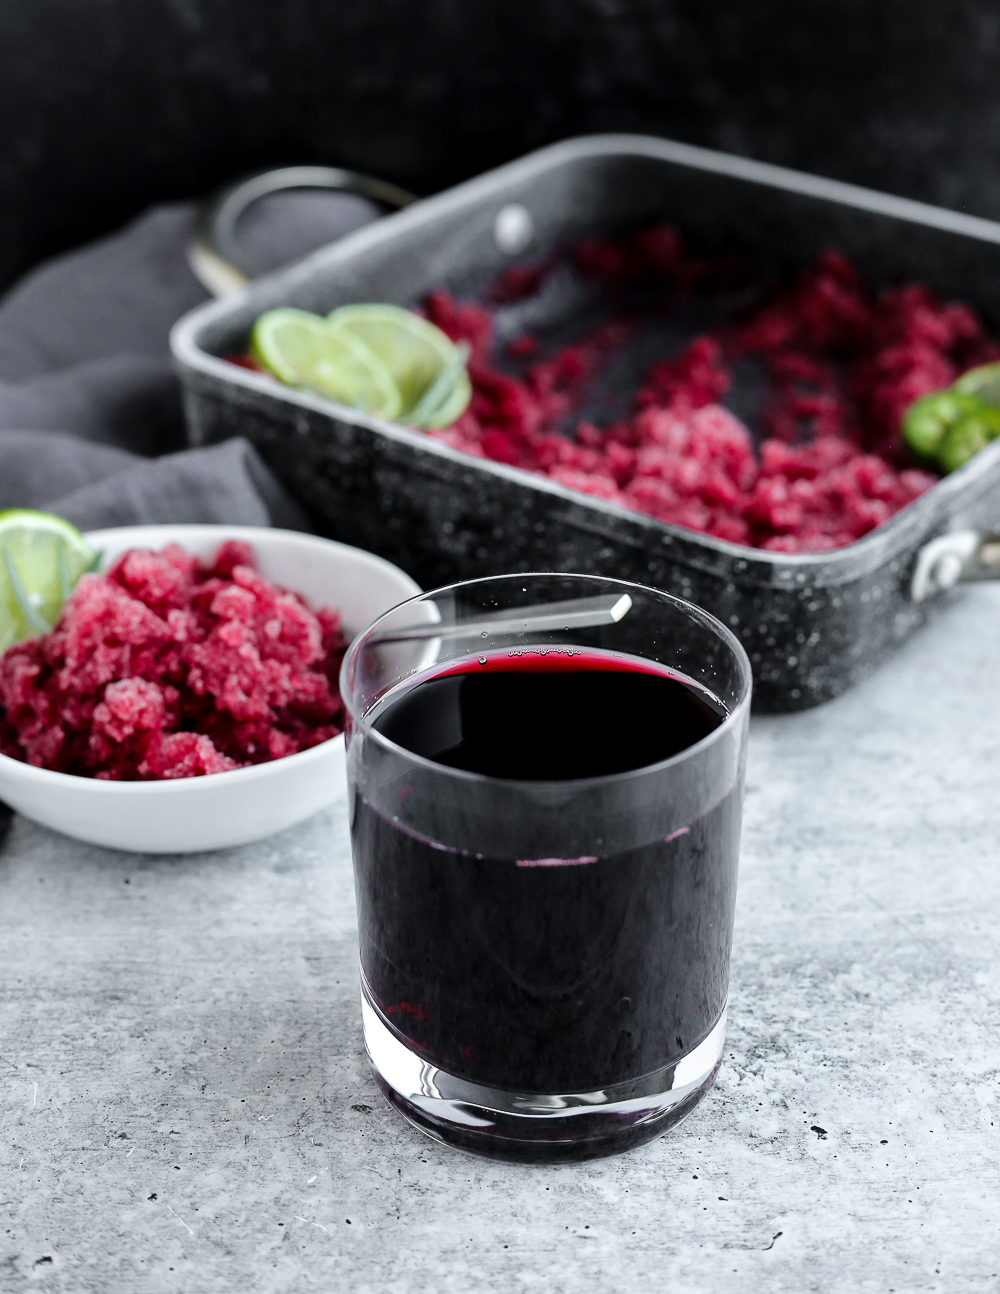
(711, 622)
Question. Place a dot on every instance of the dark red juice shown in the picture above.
(549, 973)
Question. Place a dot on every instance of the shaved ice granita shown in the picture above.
(813, 461)
(166, 667)
(839, 366)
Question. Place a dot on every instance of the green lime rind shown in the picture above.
(983, 382)
(965, 438)
(948, 428)
(426, 365)
(41, 559)
(454, 406)
(927, 420)
(301, 350)
(447, 397)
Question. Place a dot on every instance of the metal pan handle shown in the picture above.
(960, 557)
(213, 252)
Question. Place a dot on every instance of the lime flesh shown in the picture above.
(41, 559)
(301, 350)
(983, 382)
(427, 367)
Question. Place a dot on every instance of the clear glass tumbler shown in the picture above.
(545, 960)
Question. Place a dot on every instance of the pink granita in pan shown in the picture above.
(169, 667)
(841, 366)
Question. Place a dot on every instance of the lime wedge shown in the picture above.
(41, 559)
(983, 382)
(301, 350)
(423, 361)
(965, 438)
(928, 419)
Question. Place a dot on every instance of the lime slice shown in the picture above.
(41, 559)
(417, 354)
(454, 406)
(983, 382)
(447, 396)
(965, 438)
(301, 350)
(928, 419)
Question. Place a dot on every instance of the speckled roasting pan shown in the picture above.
(812, 624)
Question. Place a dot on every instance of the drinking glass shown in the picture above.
(545, 963)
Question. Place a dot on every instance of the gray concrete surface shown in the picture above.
(186, 1104)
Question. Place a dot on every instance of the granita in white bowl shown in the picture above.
(187, 698)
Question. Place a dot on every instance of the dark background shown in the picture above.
(109, 105)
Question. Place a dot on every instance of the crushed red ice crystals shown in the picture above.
(167, 667)
(841, 366)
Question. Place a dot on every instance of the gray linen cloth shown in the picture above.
(90, 415)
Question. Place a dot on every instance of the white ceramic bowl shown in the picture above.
(223, 809)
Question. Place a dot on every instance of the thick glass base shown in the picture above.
(529, 1126)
